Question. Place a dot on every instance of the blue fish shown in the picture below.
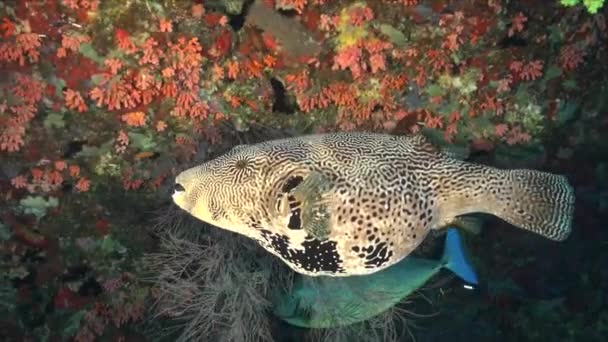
(327, 302)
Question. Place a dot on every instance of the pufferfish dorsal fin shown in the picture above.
(311, 194)
(422, 143)
(430, 142)
(456, 152)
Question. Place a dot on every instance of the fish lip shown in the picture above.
(180, 204)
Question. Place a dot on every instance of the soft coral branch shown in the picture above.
(23, 46)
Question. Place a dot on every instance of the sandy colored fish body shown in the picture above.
(355, 203)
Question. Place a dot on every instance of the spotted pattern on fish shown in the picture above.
(381, 193)
(314, 256)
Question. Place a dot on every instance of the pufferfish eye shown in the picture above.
(178, 188)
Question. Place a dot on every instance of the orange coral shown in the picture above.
(342, 94)
(124, 41)
(269, 61)
(501, 129)
(135, 119)
(113, 64)
(8, 27)
(406, 2)
(168, 72)
(184, 101)
(298, 82)
(349, 58)
(81, 4)
(358, 15)
(83, 185)
(60, 165)
(232, 69)
(71, 42)
(326, 23)
(120, 95)
(517, 24)
(161, 126)
(532, 70)
(233, 100)
(132, 184)
(253, 68)
(516, 66)
(13, 122)
(169, 89)
(504, 84)
(377, 62)
(571, 56)
(222, 44)
(96, 94)
(144, 80)
(53, 178)
(185, 57)
(122, 141)
(37, 174)
(25, 45)
(198, 10)
(11, 138)
(28, 89)
(297, 5)
(452, 42)
(74, 171)
(23, 113)
(200, 110)
(217, 72)
(151, 54)
(165, 25)
(19, 182)
(45, 180)
(74, 101)
(516, 136)
(223, 20)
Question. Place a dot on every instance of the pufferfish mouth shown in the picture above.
(178, 196)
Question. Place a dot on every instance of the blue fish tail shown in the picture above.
(455, 260)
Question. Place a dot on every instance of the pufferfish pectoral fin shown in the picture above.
(311, 193)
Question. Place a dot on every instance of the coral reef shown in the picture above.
(103, 102)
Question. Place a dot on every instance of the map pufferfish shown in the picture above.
(344, 204)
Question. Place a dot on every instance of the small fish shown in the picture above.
(329, 302)
(342, 204)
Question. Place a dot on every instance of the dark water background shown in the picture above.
(100, 265)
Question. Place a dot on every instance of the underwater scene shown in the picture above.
(303, 170)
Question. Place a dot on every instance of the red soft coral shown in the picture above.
(74, 101)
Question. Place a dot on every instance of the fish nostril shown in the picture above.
(178, 187)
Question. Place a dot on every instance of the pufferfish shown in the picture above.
(343, 204)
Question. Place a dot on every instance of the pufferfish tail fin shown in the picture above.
(537, 201)
(454, 258)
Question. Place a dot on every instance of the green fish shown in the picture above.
(329, 302)
(344, 204)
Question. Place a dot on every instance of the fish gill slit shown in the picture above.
(295, 216)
